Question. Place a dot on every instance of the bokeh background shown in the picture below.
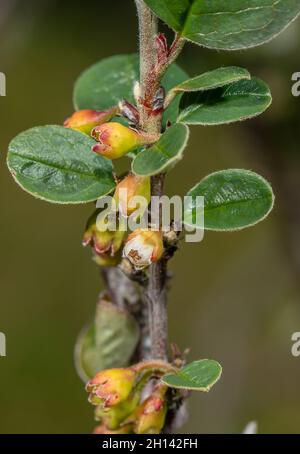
(235, 297)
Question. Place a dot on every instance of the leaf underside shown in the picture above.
(108, 343)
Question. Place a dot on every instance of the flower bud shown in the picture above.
(151, 415)
(158, 101)
(86, 120)
(130, 112)
(132, 186)
(111, 387)
(162, 49)
(143, 247)
(103, 430)
(116, 140)
(101, 238)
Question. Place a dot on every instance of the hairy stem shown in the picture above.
(155, 366)
(148, 27)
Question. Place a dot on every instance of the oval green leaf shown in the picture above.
(104, 84)
(233, 199)
(227, 25)
(197, 376)
(57, 165)
(213, 79)
(164, 154)
(234, 102)
(109, 342)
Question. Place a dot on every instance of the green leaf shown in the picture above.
(57, 165)
(197, 376)
(233, 199)
(235, 102)
(164, 154)
(104, 84)
(226, 24)
(109, 342)
(213, 79)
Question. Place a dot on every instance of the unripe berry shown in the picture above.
(114, 416)
(107, 260)
(151, 415)
(103, 241)
(132, 186)
(116, 140)
(143, 247)
(103, 430)
(111, 387)
(86, 120)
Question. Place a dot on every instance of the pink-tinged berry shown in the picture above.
(111, 387)
(151, 415)
(116, 140)
(132, 186)
(103, 240)
(86, 120)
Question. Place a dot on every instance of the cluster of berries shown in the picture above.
(143, 246)
(120, 405)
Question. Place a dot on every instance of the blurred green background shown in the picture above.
(235, 297)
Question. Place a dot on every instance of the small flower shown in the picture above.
(116, 140)
(111, 387)
(101, 237)
(132, 186)
(151, 415)
(86, 120)
(143, 247)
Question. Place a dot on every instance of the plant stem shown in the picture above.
(121, 289)
(157, 294)
(127, 295)
(151, 123)
(148, 27)
(155, 366)
(158, 315)
(149, 83)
